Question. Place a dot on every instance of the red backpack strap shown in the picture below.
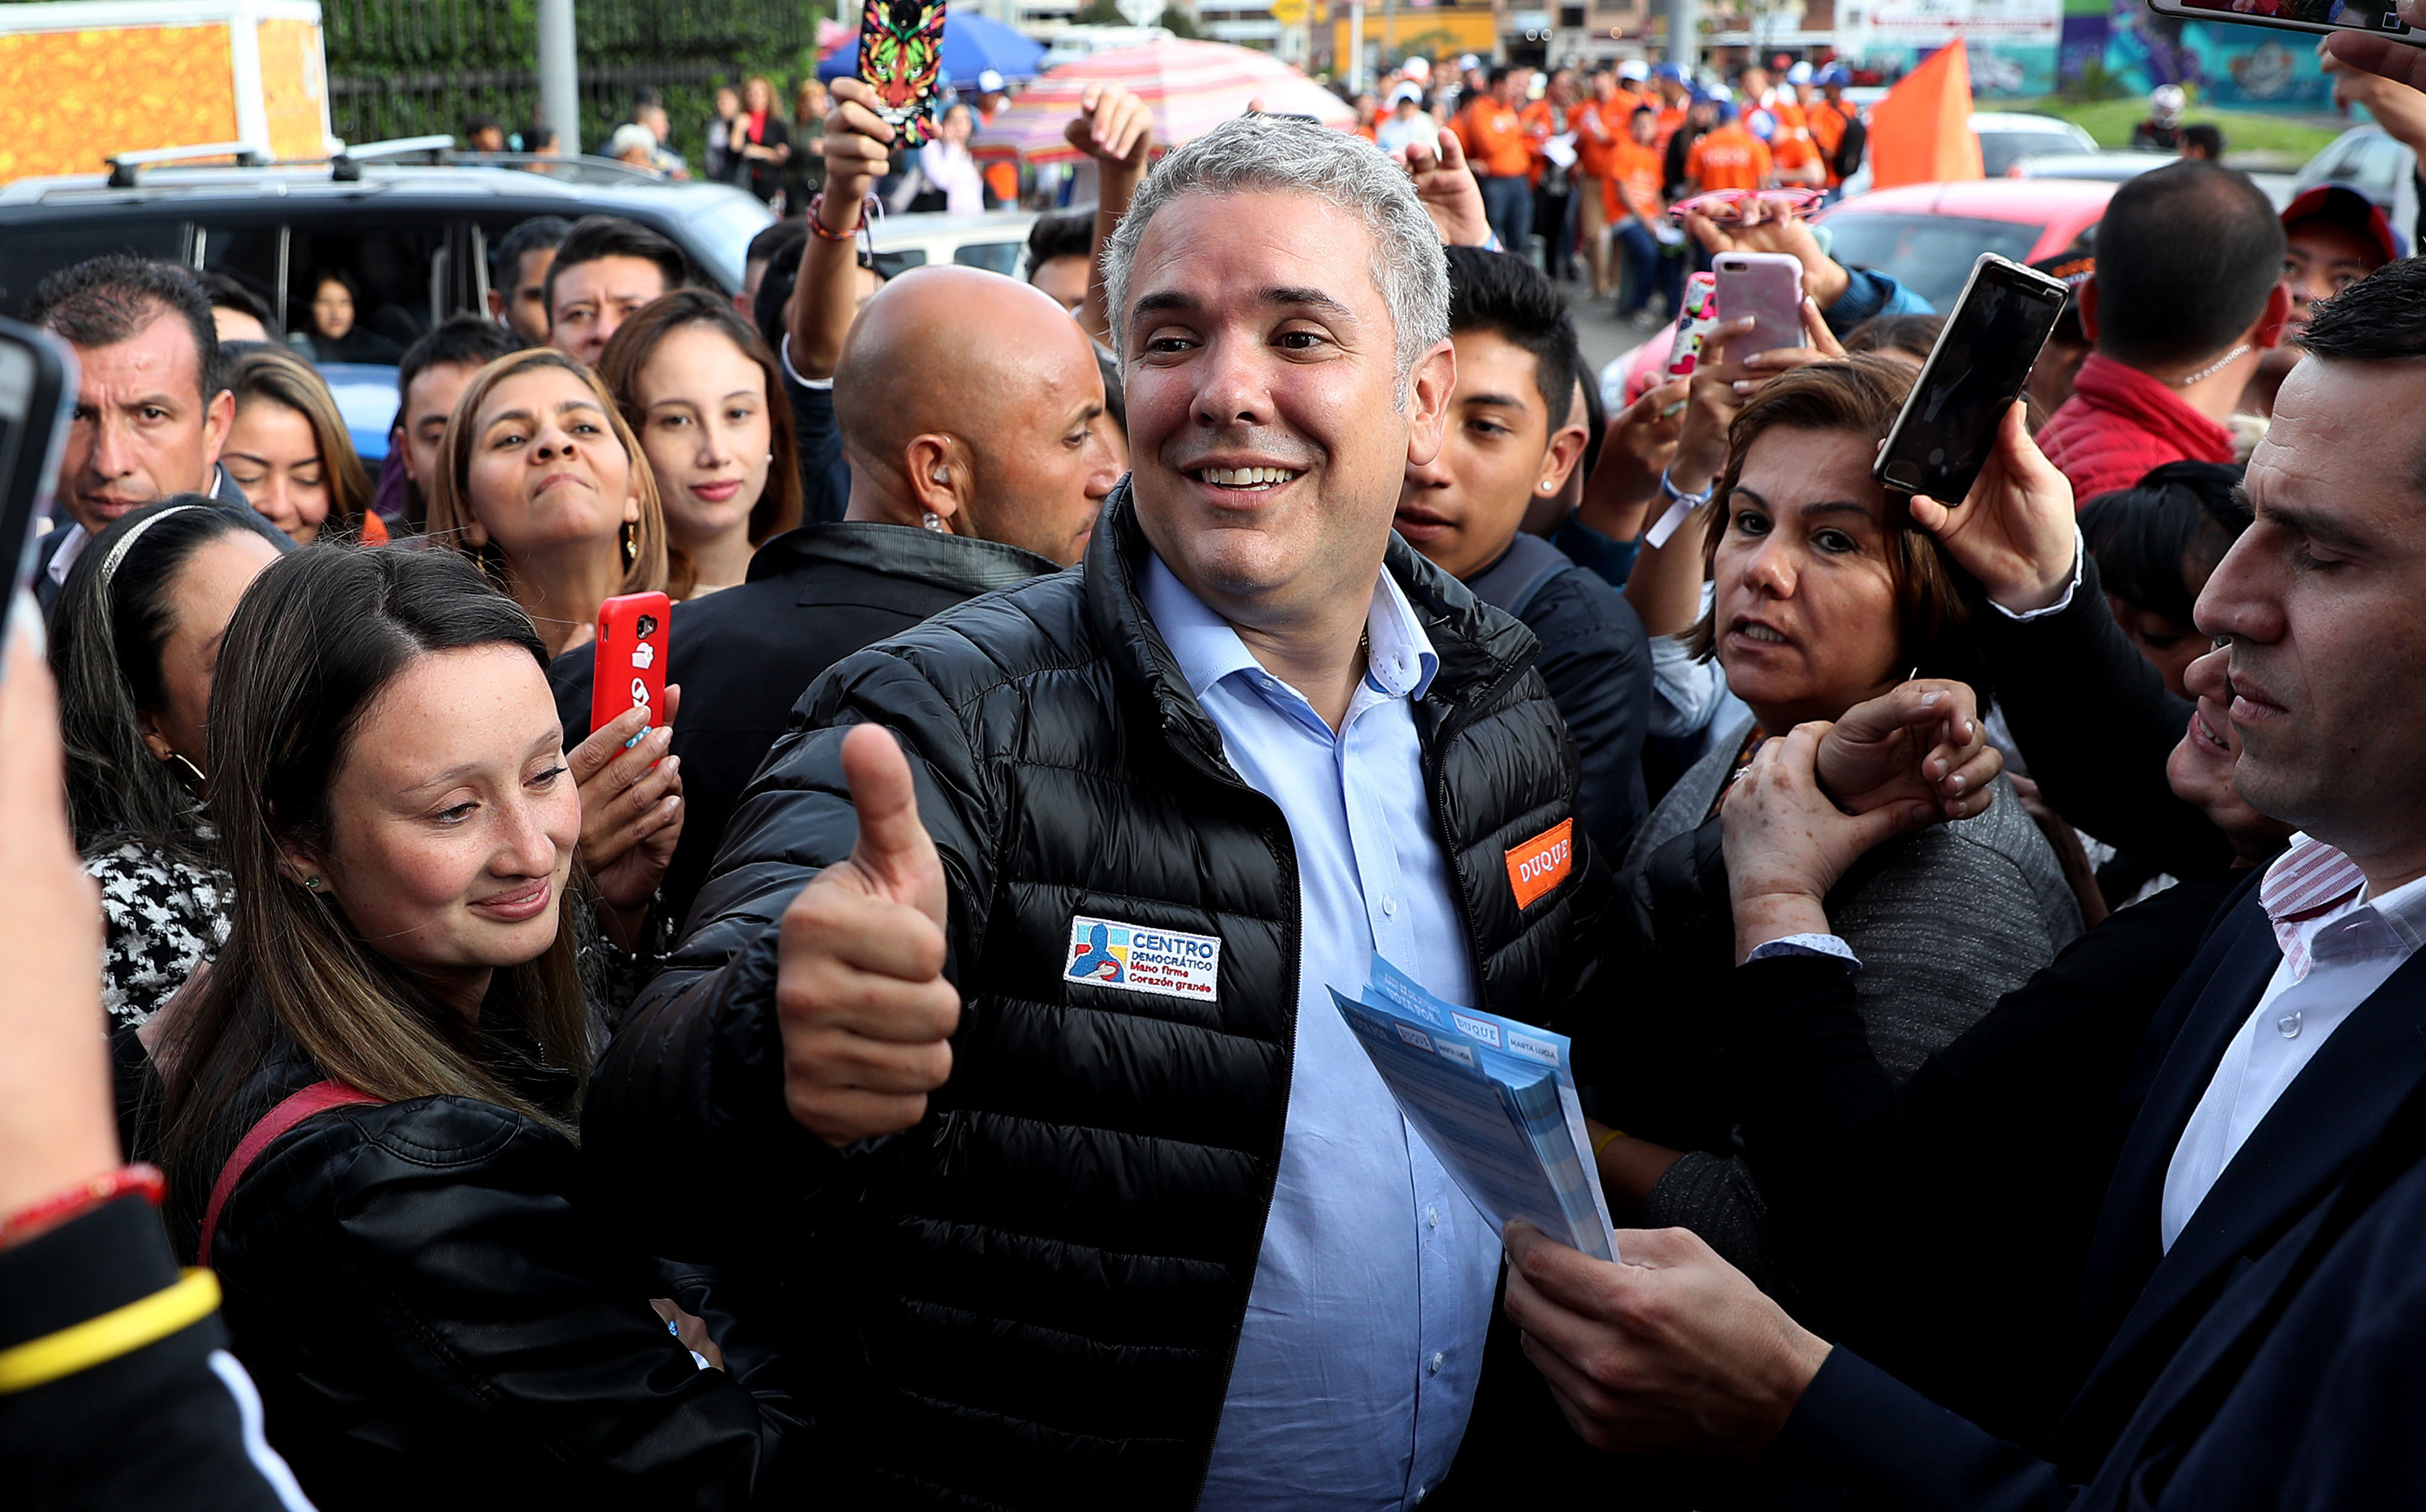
(318, 1097)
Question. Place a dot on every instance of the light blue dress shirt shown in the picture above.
(1364, 1332)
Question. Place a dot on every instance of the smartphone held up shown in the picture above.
(2377, 16)
(628, 669)
(1975, 372)
(901, 60)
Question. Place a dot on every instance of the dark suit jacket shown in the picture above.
(1856, 1433)
(46, 589)
(744, 657)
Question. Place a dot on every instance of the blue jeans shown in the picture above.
(1508, 205)
(1652, 268)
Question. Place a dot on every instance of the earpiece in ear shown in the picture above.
(943, 477)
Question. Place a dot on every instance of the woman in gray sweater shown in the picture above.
(1823, 596)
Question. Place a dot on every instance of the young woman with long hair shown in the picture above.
(697, 385)
(407, 1269)
(542, 484)
(290, 451)
(133, 642)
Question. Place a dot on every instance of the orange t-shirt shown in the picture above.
(1827, 130)
(1633, 181)
(1728, 159)
(1540, 122)
(1668, 121)
(1495, 139)
(1592, 154)
(1792, 152)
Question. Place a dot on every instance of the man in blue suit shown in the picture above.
(2251, 1298)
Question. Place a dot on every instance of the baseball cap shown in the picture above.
(1634, 69)
(2348, 207)
(1418, 69)
(1836, 73)
(989, 82)
(1799, 73)
(2074, 265)
(1406, 91)
(1466, 61)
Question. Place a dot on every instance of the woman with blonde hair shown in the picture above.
(290, 452)
(541, 484)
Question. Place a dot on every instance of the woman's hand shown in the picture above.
(631, 813)
(2014, 532)
(56, 1125)
(1920, 741)
(858, 149)
(1768, 228)
(1787, 843)
(1720, 388)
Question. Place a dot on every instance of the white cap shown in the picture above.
(989, 82)
(1406, 91)
(1634, 69)
(1799, 73)
(1467, 60)
(1417, 69)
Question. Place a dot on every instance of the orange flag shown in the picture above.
(1922, 132)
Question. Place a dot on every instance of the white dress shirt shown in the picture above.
(2339, 946)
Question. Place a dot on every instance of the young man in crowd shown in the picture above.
(2248, 1315)
(1061, 253)
(150, 409)
(518, 268)
(2333, 236)
(1512, 439)
(2176, 336)
(606, 269)
(1143, 1227)
(432, 375)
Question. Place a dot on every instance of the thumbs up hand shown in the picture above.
(866, 1013)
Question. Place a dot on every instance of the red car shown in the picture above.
(1927, 236)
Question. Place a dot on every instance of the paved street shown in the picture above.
(1603, 335)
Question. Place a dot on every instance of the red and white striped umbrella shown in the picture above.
(1191, 87)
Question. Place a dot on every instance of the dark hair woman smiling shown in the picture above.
(406, 1271)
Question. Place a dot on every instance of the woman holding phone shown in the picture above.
(541, 484)
(1824, 597)
(696, 382)
(407, 1270)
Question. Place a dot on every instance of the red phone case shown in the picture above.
(630, 665)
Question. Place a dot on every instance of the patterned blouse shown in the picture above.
(163, 916)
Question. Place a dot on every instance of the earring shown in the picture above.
(631, 544)
(311, 885)
(942, 476)
(932, 521)
(192, 776)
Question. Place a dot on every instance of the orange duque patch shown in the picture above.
(1543, 862)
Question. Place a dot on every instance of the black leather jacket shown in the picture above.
(434, 1324)
(1033, 1298)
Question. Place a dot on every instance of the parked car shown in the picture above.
(2006, 137)
(996, 240)
(2365, 159)
(1927, 236)
(2110, 168)
(414, 236)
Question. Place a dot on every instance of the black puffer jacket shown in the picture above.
(434, 1324)
(1033, 1298)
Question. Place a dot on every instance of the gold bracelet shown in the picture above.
(120, 1331)
(1601, 1144)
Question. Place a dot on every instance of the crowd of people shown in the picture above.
(1984, 926)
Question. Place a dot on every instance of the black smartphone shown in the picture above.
(1973, 375)
(37, 399)
(2378, 16)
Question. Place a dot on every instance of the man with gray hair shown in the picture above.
(1001, 1039)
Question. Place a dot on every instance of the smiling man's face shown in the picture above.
(2320, 599)
(1267, 436)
